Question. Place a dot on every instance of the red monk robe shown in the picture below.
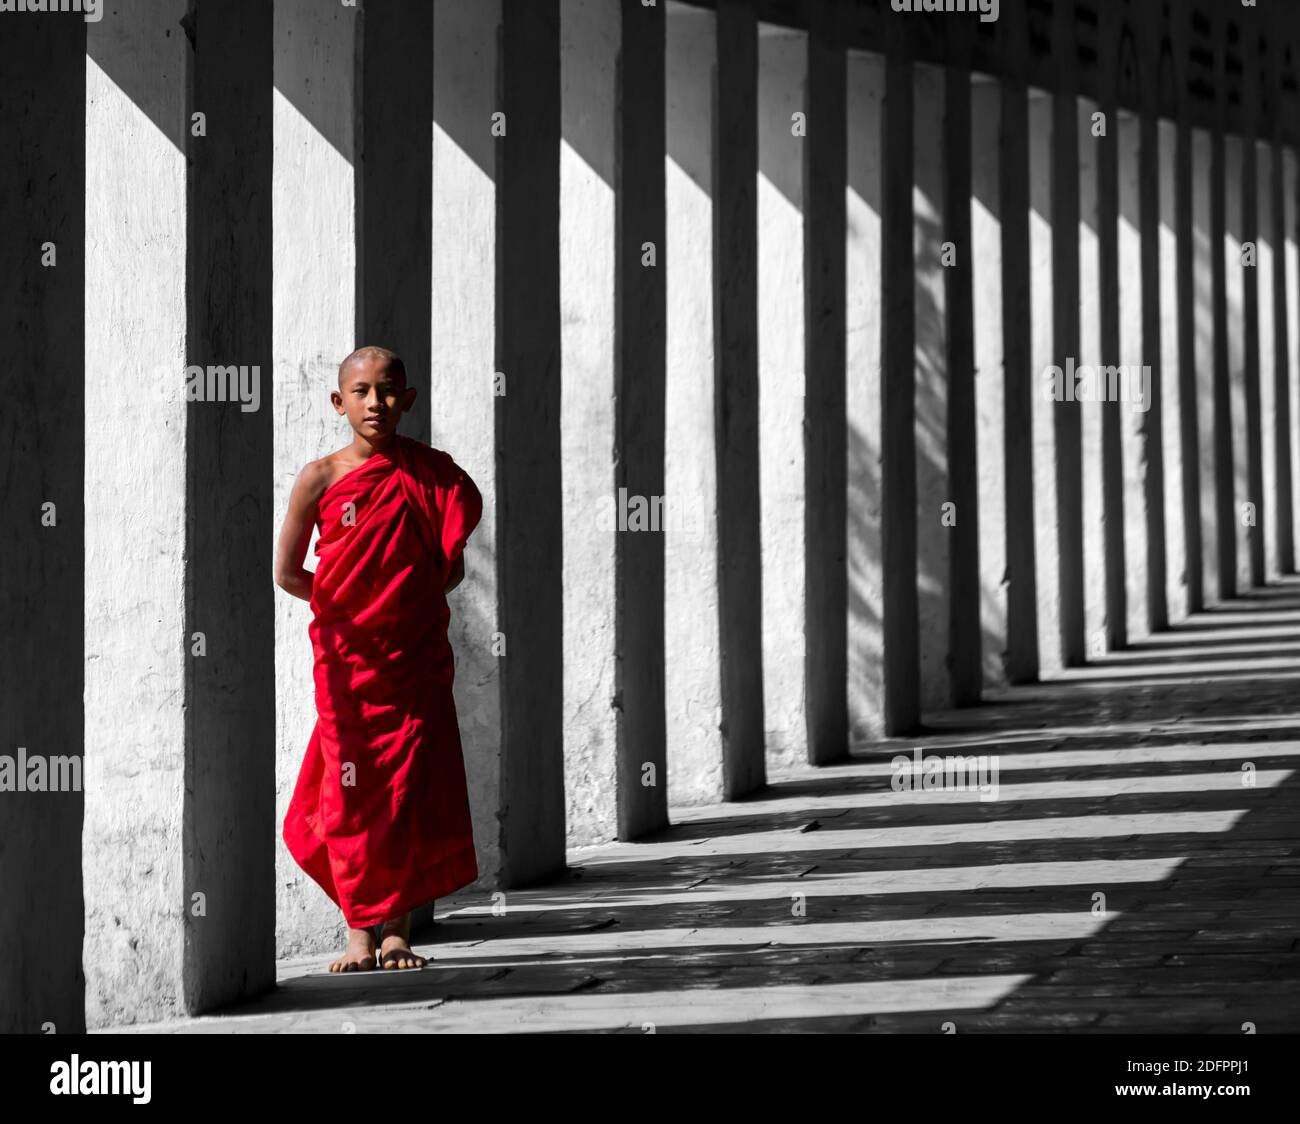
(399, 834)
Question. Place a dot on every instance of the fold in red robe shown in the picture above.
(380, 813)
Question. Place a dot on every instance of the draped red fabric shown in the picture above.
(380, 813)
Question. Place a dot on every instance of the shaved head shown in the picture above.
(390, 358)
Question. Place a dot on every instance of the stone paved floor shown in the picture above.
(1126, 879)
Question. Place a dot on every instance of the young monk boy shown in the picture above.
(380, 813)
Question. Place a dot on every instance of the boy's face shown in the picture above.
(372, 398)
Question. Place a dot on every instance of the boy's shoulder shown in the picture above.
(317, 475)
(437, 461)
(322, 472)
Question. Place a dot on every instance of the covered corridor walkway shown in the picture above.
(1164, 779)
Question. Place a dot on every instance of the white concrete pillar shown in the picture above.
(1022, 384)
(782, 127)
(736, 406)
(1134, 381)
(137, 68)
(898, 533)
(1267, 437)
(43, 592)
(1291, 206)
(527, 502)
(640, 433)
(465, 382)
(1043, 356)
(1068, 481)
(1171, 363)
(1282, 525)
(611, 420)
(313, 222)
(1194, 550)
(1203, 250)
(178, 218)
(590, 33)
(230, 522)
(692, 668)
(394, 81)
(986, 265)
(1235, 296)
(1094, 515)
(965, 644)
(825, 433)
(863, 296)
(931, 386)
(1257, 507)
(1146, 425)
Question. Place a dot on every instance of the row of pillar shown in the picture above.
(803, 293)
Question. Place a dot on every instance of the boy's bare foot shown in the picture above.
(359, 956)
(394, 952)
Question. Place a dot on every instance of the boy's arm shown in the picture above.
(457, 574)
(295, 535)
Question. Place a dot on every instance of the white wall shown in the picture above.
(313, 313)
(692, 685)
(590, 32)
(133, 775)
(1171, 367)
(1042, 352)
(931, 385)
(865, 93)
(990, 399)
(1132, 355)
(1094, 514)
(464, 328)
(782, 73)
